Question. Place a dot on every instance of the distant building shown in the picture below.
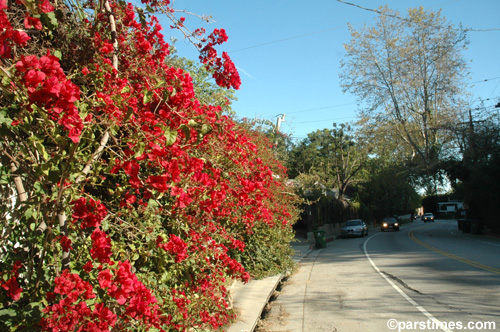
(450, 207)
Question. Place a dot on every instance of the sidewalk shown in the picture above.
(251, 298)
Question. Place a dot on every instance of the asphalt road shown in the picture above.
(426, 277)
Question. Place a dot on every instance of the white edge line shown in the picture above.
(493, 244)
(400, 291)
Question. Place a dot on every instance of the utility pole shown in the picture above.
(498, 113)
(472, 141)
(281, 118)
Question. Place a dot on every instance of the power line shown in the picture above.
(285, 39)
(349, 117)
(321, 108)
(408, 20)
(486, 80)
(340, 27)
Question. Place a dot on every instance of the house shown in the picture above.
(450, 207)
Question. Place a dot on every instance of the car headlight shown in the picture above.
(385, 224)
(396, 224)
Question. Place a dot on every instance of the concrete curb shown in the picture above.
(251, 299)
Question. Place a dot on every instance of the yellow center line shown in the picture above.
(447, 254)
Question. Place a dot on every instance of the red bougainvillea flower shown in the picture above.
(88, 211)
(48, 88)
(175, 245)
(123, 285)
(101, 246)
(65, 243)
(72, 312)
(11, 286)
(46, 7)
(223, 69)
(8, 35)
(32, 23)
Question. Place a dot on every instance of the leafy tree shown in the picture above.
(474, 170)
(334, 155)
(281, 143)
(410, 74)
(387, 191)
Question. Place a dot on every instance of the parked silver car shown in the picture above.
(354, 227)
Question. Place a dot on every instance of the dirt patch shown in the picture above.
(273, 314)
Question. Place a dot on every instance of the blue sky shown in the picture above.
(288, 53)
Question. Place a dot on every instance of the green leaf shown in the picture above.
(4, 118)
(28, 213)
(54, 175)
(105, 225)
(125, 89)
(51, 18)
(140, 149)
(152, 203)
(171, 136)
(205, 129)
(6, 315)
(41, 149)
(159, 84)
(57, 54)
(36, 310)
(187, 132)
(148, 96)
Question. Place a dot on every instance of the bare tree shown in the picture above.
(410, 74)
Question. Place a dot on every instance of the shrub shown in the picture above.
(131, 203)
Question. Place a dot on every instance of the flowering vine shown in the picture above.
(165, 195)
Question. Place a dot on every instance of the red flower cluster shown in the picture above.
(71, 312)
(175, 246)
(89, 212)
(11, 286)
(122, 284)
(172, 165)
(8, 35)
(65, 243)
(224, 70)
(101, 246)
(49, 89)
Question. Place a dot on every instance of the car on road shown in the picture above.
(428, 217)
(354, 227)
(389, 223)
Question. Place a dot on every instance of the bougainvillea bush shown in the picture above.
(127, 204)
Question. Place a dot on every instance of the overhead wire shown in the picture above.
(335, 28)
(405, 19)
(320, 108)
(339, 27)
(322, 120)
(285, 39)
(486, 80)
